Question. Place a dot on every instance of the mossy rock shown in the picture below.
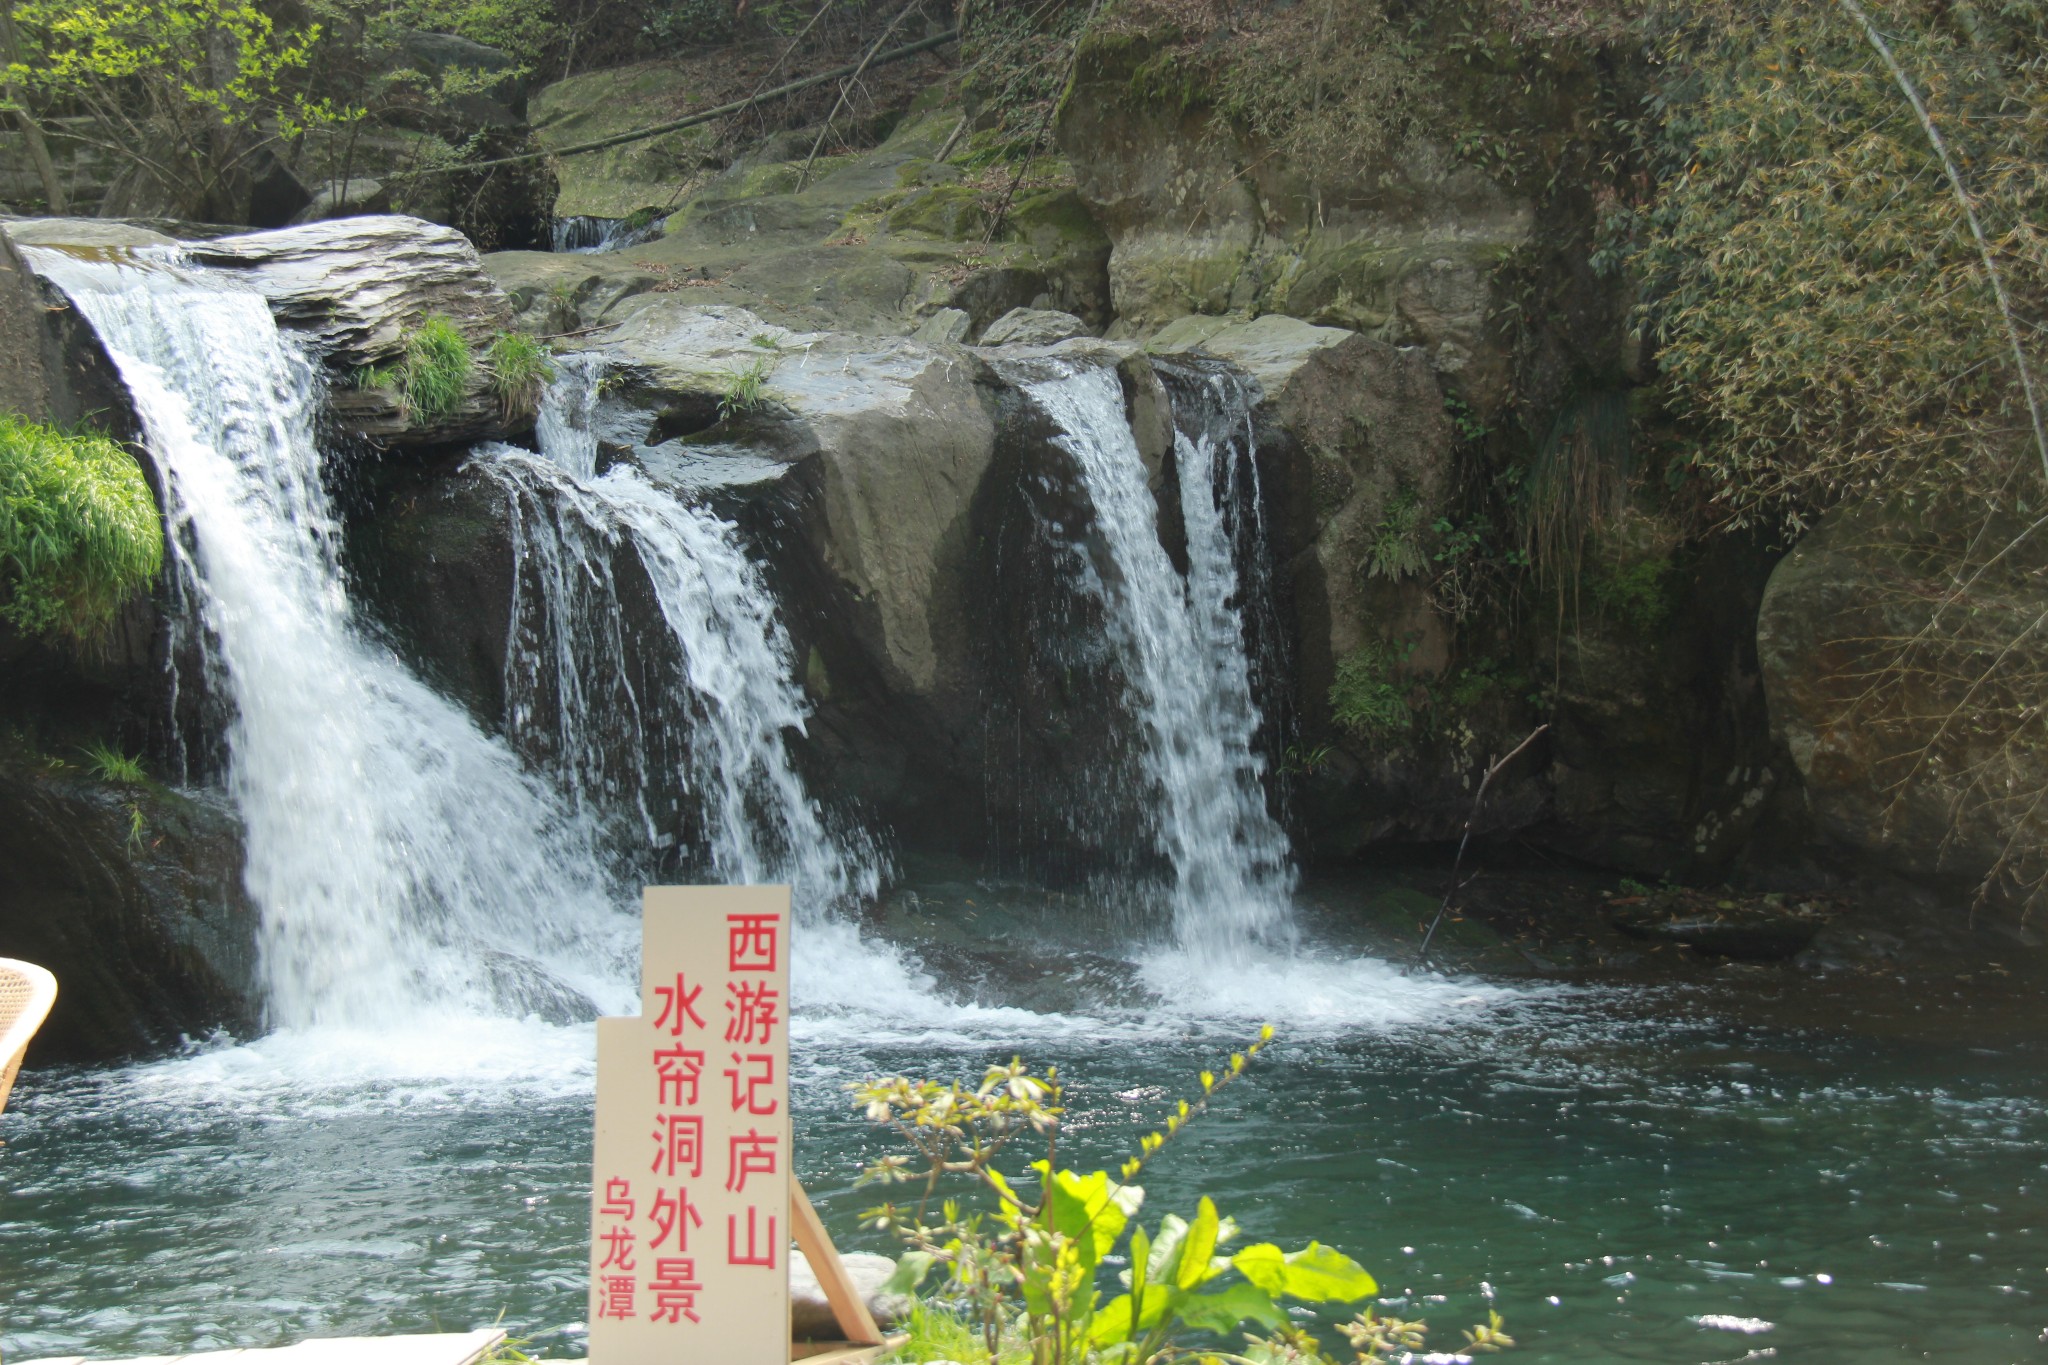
(1354, 283)
(614, 182)
(952, 212)
(1054, 221)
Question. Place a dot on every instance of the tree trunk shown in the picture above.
(31, 131)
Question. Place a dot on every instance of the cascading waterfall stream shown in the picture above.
(1182, 646)
(583, 236)
(402, 863)
(724, 690)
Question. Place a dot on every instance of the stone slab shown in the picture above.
(464, 1348)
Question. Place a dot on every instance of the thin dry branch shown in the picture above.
(847, 86)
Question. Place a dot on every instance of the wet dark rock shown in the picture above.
(1901, 788)
(1033, 327)
(132, 895)
(1766, 928)
(434, 562)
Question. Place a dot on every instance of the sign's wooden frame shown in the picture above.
(863, 1340)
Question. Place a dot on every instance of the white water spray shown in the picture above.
(1182, 647)
(402, 863)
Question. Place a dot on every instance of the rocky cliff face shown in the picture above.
(1914, 756)
(1426, 344)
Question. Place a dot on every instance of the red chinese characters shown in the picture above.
(618, 1290)
(691, 1185)
(750, 1074)
(752, 943)
(674, 1288)
(752, 1008)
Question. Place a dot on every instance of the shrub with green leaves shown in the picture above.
(1401, 542)
(1827, 324)
(1023, 1278)
(79, 531)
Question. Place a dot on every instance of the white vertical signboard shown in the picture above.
(690, 1188)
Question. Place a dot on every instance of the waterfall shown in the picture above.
(1181, 644)
(585, 236)
(719, 687)
(401, 861)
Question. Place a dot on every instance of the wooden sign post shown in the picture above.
(692, 1200)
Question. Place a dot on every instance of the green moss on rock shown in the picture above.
(952, 212)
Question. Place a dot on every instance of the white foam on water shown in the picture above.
(1312, 991)
(333, 1069)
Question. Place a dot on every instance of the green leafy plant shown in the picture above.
(79, 531)
(138, 828)
(109, 764)
(1302, 760)
(1026, 1274)
(933, 1334)
(520, 370)
(1400, 543)
(1467, 423)
(433, 374)
(1636, 595)
(182, 93)
(747, 389)
(1470, 570)
(1366, 699)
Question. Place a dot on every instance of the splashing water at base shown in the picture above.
(402, 864)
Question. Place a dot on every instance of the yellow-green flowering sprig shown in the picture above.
(1151, 1143)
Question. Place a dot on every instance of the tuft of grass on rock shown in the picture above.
(109, 764)
(433, 375)
(520, 370)
(79, 531)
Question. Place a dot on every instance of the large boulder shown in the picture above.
(1033, 327)
(132, 895)
(357, 288)
(901, 440)
(1901, 705)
